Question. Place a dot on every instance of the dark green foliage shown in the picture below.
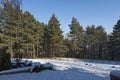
(20, 28)
(96, 42)
(114, 43)
(17, 54)
(5, 61)
(76, 39)
(54, 38)
(11, 24)
(32, 36)
(89, 44)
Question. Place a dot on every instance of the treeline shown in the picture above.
(89, 43)
(93, 42)
(23, 36)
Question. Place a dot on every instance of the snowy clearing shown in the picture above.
(69, 70)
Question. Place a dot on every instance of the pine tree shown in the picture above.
(101, 41)
(45, 41)
(32, 36)
(10, 20)
(55, 38)
(77, 38)
(114, 43)
(96, 42)
(28, 34)
(38, 38)
(90, 39)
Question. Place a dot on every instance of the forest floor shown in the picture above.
(69, 69)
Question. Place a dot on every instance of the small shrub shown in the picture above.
(5, 61)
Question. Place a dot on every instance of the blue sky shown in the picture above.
(87, 12)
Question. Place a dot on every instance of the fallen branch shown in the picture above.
(17, 70)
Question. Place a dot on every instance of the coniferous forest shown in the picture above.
(21, 35)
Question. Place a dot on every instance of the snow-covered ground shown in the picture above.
(69, 70)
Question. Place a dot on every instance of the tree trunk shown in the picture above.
(34, 51)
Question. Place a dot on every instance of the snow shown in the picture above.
(47, 65)
(69, 70)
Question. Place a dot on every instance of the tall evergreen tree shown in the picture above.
(55, 38)
(45, 41)
(96, 42)
(32, 35)
(12, 15)
(38, 38)
(90, 39)
(114, 43)
(101, 41)
(77, 38)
